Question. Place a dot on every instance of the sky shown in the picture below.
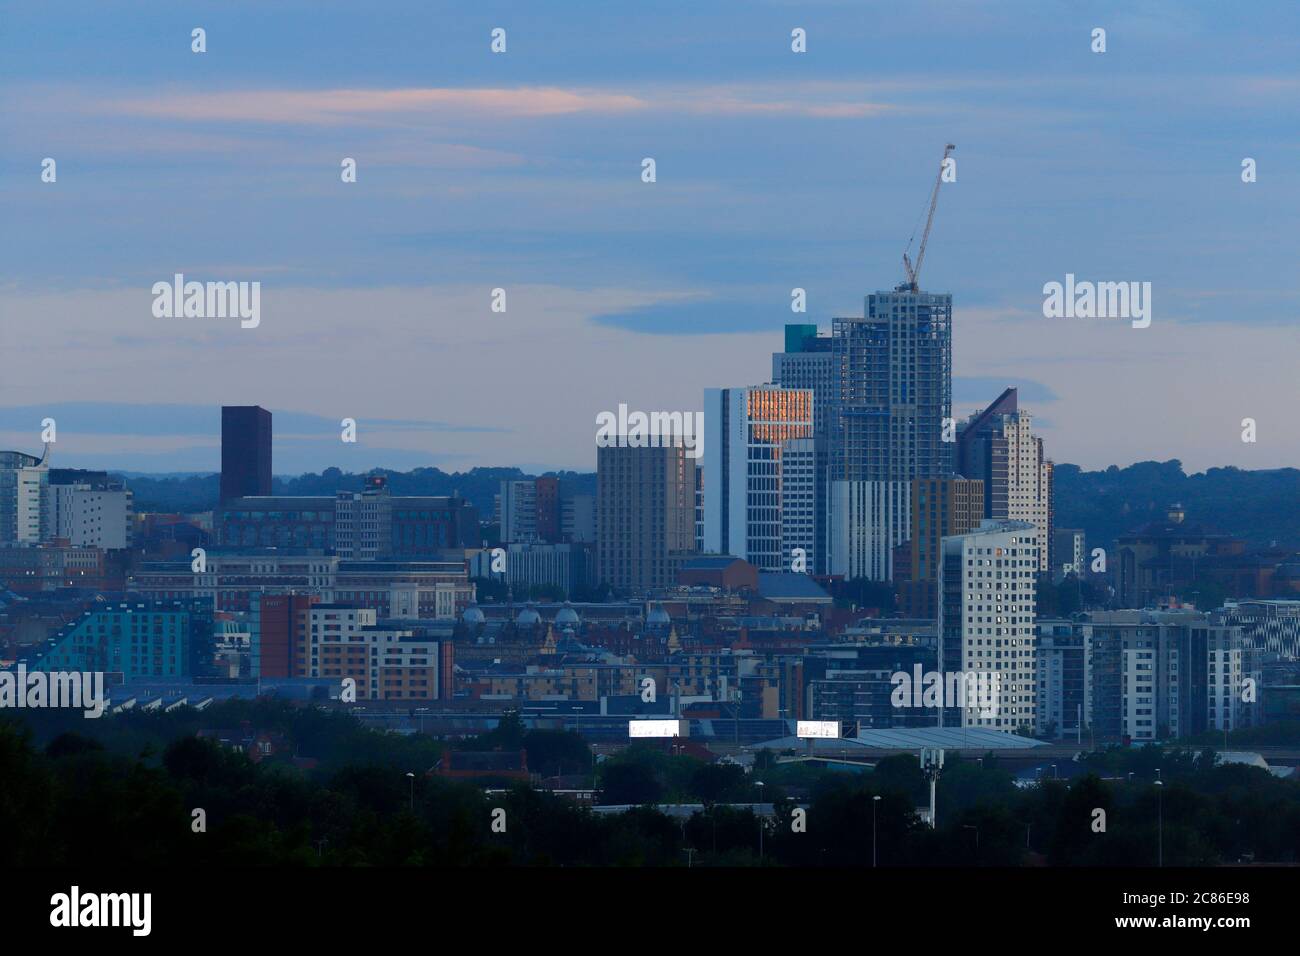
(522, 171)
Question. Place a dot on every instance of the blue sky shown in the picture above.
(522, 171)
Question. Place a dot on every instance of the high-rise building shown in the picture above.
(801, 501)
(894, 369)
(1064, 681)
(363, 521)
(1162, 674)
(644, 514)
(547, 503)
(941, 508)
(1069, 552)
(245, 451)
(23, 479)
(88, 509)
(745, 432)
(546, 510)
(518, 510)
(998, 446)
(809, 362)
(280, 624)
(986, 620)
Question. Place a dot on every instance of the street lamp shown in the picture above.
(761, 819)
(411, 776)
(1160, 822)
(874, 800)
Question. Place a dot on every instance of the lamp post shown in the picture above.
(874, 800)
(1160, 822)
(761, 820)
(411, 776)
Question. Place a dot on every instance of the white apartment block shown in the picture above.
(868, 520)
(1029, 481)
(799, 503)
(89, 516)
(986, 618)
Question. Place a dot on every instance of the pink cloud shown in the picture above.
(343, 107)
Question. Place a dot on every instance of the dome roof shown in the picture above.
(658, 617)
(567, 617)
(528, 617)
(473, 615)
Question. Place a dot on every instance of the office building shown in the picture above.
(645, 514)
(351, 524)
(569, 567)
(745, 432)
(941, 508)
(245, 451)
(1272, 628)
(363, 521)
(232, 580)
(802, 504)
(547, 510)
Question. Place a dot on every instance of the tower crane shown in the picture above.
(912, 283)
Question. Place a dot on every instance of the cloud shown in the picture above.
(378, 106)
(695, 317)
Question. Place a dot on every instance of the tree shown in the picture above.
(624, 783)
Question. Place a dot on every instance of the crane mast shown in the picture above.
(914, 271)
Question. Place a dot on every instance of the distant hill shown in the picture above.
(479, 485)
(1261, 506)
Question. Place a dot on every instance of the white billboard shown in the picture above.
(656, 728)
(822, 729)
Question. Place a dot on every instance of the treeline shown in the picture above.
(1260, 506)
(121, 791)
(478, 486)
